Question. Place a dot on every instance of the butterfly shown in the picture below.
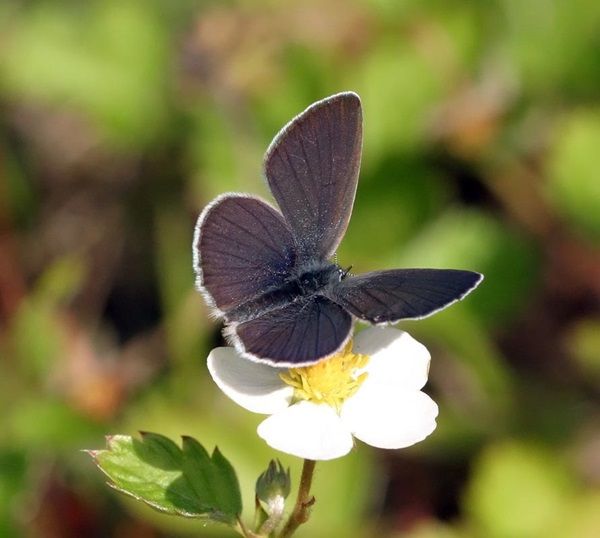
(269, 273)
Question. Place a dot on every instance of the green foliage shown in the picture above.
(519, 490)
(573, 184)
(583, 342)
(417, 196)
(553, 44)
(475, 240)
(401, 105)
(582, 519)
(13, 469)
(185, 481)
(106, 59)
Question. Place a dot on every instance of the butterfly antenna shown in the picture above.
(346, 272)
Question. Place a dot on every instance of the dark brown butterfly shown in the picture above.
(269, 273)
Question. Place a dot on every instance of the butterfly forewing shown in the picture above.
(242, 247)
(312, 169)
(389, 296)
(300, 333)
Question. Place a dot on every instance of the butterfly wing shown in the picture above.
(389, 296)
(242, 247)
(298, 334)
(312, 169)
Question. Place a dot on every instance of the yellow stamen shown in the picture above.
(330, 381)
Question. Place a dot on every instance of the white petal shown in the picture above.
(389, 419)
(396, 357)
(307, 430)
(256, 387)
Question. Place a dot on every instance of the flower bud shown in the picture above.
(274, 484)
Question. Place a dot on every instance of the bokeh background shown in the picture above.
(120, 120)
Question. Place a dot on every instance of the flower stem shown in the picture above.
(304, 501)
(244, 531)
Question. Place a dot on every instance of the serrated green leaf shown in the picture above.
(183, 481)
(217, 475)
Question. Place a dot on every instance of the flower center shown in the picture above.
(330, 381)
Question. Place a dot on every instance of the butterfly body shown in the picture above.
(267, 272)
(298, 286)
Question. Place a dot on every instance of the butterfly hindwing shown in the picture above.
(296, 334)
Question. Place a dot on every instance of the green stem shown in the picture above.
(304, 501)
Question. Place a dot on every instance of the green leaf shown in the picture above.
(183, 481)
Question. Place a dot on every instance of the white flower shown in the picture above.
(371, 392)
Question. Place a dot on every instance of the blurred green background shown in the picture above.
(120, 120)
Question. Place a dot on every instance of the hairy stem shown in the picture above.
(304, 501)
